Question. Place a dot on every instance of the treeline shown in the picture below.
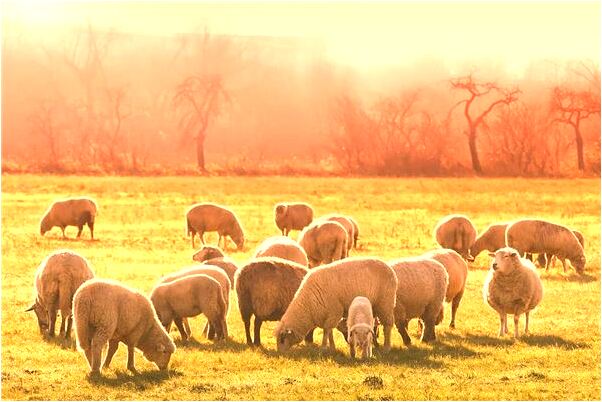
(102, 102)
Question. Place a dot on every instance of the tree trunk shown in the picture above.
(472, 144)
(579, 142)
(200, 152)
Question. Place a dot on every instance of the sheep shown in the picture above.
(457, 233)
(283, 247)
(70, 212)
(107, 311)
(421, 288)
(326, 293)
(493, 238)
(188, 297)
(356, 231)
(360, 324)
(292, 216)
(457, 272)
(548, 259)
(347, 225)
(539, 236)
(324, 242)
(265, 288)
(512, 286)
(211, 271)
(210, 255)
(208, 217)
(56, 281)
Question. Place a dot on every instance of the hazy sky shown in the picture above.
(361, 34)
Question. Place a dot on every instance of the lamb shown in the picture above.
(421, 289)
(346, 223)
(214, 256)
(326, 293)
(360, 324)
(211, 271)
(324, 242)
(457, 272)
(356, 231)
(265, 288)
(548, 259)
(292, 216)
(107, 311)
(539, 236)
(57, 279)
(208, 217)
(457, 233)
(512, 286)
(283, 247)
(70, 212)
(493, 238)
(188, 297)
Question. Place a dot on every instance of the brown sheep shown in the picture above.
(324, 242)
(292, 216)
(70, 212)
(347, 223)
(208, 217)
(456, 232)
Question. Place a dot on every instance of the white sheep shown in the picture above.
(324, 242)
(512, 286)
(214, 256)
(326, 293)
(70, 212)
(56, 281)
(107, 311)
(282, 247)
(292, 216)
(347, 224)
(456, 232)
(547, 260)
(208, 217)
(360, 324)
(493, 238)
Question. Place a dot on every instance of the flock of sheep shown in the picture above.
(305, 284)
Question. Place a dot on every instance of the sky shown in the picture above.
(364, 35)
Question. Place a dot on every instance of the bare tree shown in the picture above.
(43, 121)
(480, 90)
(111, 129)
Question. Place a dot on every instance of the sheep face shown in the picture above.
(280, 211)
(45, 225)
(361, 336)
(42, 316)
(579, 263)
(239, 239)
(285, 339)
(207, 253)
(160, 353)
(506, 260)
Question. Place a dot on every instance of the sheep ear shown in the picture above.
(161, 347)
(491, 254)
(31, 308)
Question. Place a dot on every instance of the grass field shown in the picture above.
(141, 235)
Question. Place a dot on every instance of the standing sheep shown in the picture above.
(548, 259)
(265, 288)
(292, 216)
(211, 271)
(360, 324)
(70, 212)
(188, 297)
(283, 247)
(57, 279)
(324, 242)
(421, 288)
(457, 233)
(493, 238)
(457, 272)
(208, 217)
(356, 231)
(106, 311)
(211, 255)
(539, 236)
(326, 294)
(512, 286)
(347, 225)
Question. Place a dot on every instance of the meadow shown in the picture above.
(140, 231)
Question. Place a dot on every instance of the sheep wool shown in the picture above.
(456, 232)
(70, 212)
(292, 216)
(324, 242)
(208, 217)
(282, 247)
(493, 238)
(347, 225)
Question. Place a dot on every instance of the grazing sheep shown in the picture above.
(457, 272)
(356, 231)
(493, 238)
(208, 252)
(292, 216)
(210, 255)
(539, 236)
(457, 233)
(326, 293)
(512, 286)
(548, 259)
(347, 225)
(283, 247)
(57, 279)
(188, 297)
(265, 288)
(324, 242)
(208, 217)
(70, 212)
(211, 271)
(106, 311)
(421, 288)
(360, 324)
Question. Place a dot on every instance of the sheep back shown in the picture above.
(456, 232)
(209, 217)
(324, 241)
(69, 212)
(282, 247)
(456, 267)
(292, 216)
(492, 239)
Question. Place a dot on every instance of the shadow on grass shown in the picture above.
(221, 345)
(68, 343)
(140, 381)
(552, 276)
(531, 340)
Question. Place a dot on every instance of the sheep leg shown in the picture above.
(326, 339)
(113, 345)
(428, 331)
(79, 231)
(98, 341)
(309, 338)
(131, 365)
(180, 325)
(331, 339)
(91, 227)
(63, 230)
(548, 261)
(247, 322)
(207, 330)
(51, 320)
(202, 236)
(257, 331)
(563, 264)
(62, 329)
(454, 308)
(402, 327)
(529, 256)
(351, 346)
(516, 317)
(193, 234)
(187, 326)
(387, 328)
(69, 325)
(502, 319)
(527, 323)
